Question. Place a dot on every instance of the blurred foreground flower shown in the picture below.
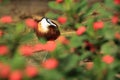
(1, 33)
(3, 50)
(98, 25)
(117, 2)
(26, 50)
(31, 71)
(62, 20)
(115, 19)
(4, 70)
(50, 46)
(117, 35)
(81, 30)
(16, 75)
(59, 1)
(50, 63)
(108, 59)
(38, 47)
(6, 19)
(89, 65)
(31, 23)
(63, 40)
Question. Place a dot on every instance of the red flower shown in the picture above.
(50, 46)
(51, 63)
(4, 71)
(38, 47)
(1, 33)
(63, 40)
(117, 2)
(6, 19)
(59, 1)
(62, 20)
(108, 59)
(26, 50)
(117, 35)
(89, 65)
(3, 50)
(98, 25)
(115, 19)
(31, 71)
(81, 30)
(15, 75)
(31, 23)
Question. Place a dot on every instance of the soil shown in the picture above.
(25, 8)
(20, 9)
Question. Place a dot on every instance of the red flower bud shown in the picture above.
(98, 25)
(50, 46)
(59, 1)
(81, 30)
(6, 19)
(117, 2)
(26, 50)
(39, 47)
(115, 19)
(4, 71)
(108, 59)
(63, 40)
(31, 71)
(31, 23)
(89, 65)
(62, 20)
(117, 35)
(15, 75)
(51, 63)
(3, 50)
(1, 33)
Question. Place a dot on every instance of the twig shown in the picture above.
(45, 57)
(68, 33)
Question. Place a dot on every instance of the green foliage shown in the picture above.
(93, 45)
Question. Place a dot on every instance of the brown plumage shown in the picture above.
(47, 29)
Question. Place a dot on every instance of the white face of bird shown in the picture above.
(44, 24)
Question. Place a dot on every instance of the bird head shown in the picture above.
(44, 24)
(47, 29)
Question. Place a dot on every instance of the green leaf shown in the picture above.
(52, 15)
(42, 40)
(75, 41)
(4, 2)
(90, 29)
(109, 3)
(50, 75)
(20, 28)
(55, 6)
(18, 61)
(72, 61)
(27, 37)
(109, 48)
(103, 13)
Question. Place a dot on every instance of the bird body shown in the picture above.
(47, 29)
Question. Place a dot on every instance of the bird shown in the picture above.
(47, 29)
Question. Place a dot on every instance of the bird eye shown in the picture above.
(50, 22)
